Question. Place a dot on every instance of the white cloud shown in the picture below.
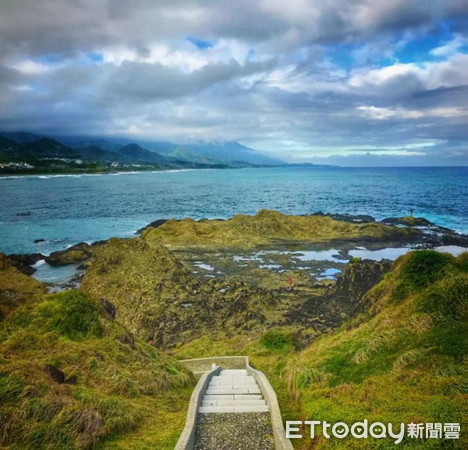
(451, 47)
(431, 75)
(377, 113)
(31, 67)
(297, 77)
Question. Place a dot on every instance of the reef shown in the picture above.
(269, 228)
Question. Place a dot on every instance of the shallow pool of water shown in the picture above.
(52, 274)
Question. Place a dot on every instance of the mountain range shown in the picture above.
(28, 146)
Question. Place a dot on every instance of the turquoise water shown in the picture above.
(65, 210)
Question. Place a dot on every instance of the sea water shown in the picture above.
(64, 210)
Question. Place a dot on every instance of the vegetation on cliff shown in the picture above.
(77, 370)
(402, 360)
(73, 377)
(16, 288)
(159, 299)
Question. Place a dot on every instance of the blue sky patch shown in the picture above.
(201, 44)
(96, 57)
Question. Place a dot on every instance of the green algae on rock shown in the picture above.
(267, 228)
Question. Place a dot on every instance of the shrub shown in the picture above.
(76, 317)
(278, 340)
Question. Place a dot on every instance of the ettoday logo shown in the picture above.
(376, 430)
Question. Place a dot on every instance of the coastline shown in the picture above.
(65, 267)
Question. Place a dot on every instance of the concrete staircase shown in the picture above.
(233, 391)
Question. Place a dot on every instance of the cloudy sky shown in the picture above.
(353, 82)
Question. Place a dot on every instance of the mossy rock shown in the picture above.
(75, 254)
(267, 228)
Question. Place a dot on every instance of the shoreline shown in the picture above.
(66, 266)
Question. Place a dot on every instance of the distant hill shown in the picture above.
(219, 154)
(50, 148)
(137, 153)
(233, 151)
(100, 154)
(188, 155)
(8, 147)
(21, 137)
(46, 148)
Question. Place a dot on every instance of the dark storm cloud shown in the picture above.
(299, 79)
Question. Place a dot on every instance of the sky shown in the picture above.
(349, 82)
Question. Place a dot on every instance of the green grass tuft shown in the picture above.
(277, 340)
(74, 315)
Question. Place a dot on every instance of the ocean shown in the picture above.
(66, 209)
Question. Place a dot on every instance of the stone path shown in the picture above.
(233, 415)
(232, 431)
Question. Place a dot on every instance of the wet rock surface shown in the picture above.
(353, 218)
(228, 431)
(23, 262)
(77, 253)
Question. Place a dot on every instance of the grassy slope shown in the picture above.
(267, 227)
(15, 287)
(118, 392)
(402, 361)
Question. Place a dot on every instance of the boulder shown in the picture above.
(75, 254)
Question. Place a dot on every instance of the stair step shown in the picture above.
(232, 409)
(225, 372)
(229, 391)
(246, 402)
(232, 397)
(233, 385)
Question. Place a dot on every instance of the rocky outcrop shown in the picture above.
(353, 218)
(159, 299)
(342, 300)
(270, 227)
(75, 254)
(154, 224)
(23, 262)
(409, 221)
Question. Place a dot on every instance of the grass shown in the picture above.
(399, 361)
(113, 388)
(16, 288)
(405, 364)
